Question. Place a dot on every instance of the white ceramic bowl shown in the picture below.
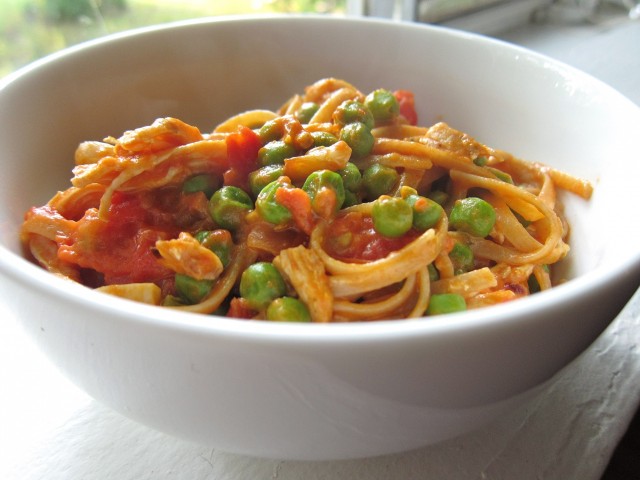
(318, 391)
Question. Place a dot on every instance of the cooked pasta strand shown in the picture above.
(466, 284)
(347, 220)
(368, 310)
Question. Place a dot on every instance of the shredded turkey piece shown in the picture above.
(187, 256)
(140, 292)
(305, 271)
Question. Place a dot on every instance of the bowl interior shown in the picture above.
(205, 71)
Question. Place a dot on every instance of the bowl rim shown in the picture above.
(259, 18)
(32, 276)
(507, 315)
(294, 18)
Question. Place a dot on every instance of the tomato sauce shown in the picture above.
(242, 152)
(122, 247)
(407, 105)
(352, 238)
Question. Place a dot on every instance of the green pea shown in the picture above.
(201, 183)
(268, 207)
(426, 212)
(219, 242)
(322, 179)
(323, 139)
(473, 216)
(172, 301)
(383, 105)
(192, 290)
(358, 136)
(270, 131)
(275, 152)
(438, 196)
(342, 241)
(523, 221)
(288, 309)
(500, 175)
(533, 284)
(352, 111)
(392, 216)
(260, 178)
(306, 111)
(202, 235)
(480, 161)
(433, 272)
(379, 180)
(260, 284)
(351, 177)
(462, 258)
(532, 281)
(446, 303)
(222, 310)
(228, 207)
(350, 199)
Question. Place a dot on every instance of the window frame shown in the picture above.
(488, 19)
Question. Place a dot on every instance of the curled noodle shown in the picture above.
(133, 224)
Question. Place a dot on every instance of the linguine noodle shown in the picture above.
(136, 223)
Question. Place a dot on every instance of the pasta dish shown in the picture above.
(337, 207)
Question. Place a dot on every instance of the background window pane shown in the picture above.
(439, 10)
(30, 29)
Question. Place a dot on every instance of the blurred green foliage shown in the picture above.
(73, 10)
(30, 29)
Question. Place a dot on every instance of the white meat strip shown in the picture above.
(185, 255)
(304, 270)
